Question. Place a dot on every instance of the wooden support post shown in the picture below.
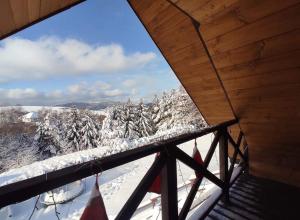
(223, 153)
(169, 199)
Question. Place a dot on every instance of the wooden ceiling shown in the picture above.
(16, 15)
(238, 58)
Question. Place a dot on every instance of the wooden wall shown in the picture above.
(242, 61)
(18, 14)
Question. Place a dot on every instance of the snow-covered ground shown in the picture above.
(116, 185)
(35, 108)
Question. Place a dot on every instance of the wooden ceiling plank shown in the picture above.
(270, 47)
(214, 8)
(191, 5)
(7, 23)
(248, 11)
(276, 24)
(20, 12)
(272, 78)
(49, 6)
(34, 10)
(15, 15)
(267, 65)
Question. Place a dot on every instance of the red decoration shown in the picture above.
(95, 208)
(197, 157)
(156, 185)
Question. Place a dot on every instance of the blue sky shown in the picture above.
(95, 51)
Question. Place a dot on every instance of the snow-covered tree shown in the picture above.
(89, 133)
(184, 111)
(163, 112)
(47, 138)
(73, 127)
(144, 120)
(129, 121)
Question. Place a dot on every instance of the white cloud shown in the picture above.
(114, 92)
(46, 57)
(130, 83)
(81, 92)
(18, 93)
(102, 85)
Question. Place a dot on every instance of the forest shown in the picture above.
(58, 132)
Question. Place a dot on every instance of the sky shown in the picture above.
(96, 51)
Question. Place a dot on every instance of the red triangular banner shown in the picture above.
(156, 185)
(95, 208)
(198, 158)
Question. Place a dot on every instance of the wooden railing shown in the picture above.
(165, 164)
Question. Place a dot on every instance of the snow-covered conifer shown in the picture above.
(89, 133)
(144, 121)
(130, 126)
(73, 127)
(47, 138)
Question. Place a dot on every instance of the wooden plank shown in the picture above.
(26, 13)
(191, 5)
(279, 23)
(7, 23)
(34, 10)
(212, 8)
(246, 12)
(267, 65)
(20, 12)
(49, 6)
(274, 46)
(266, 80)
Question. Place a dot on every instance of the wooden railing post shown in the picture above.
(169, 201)
(223, 153)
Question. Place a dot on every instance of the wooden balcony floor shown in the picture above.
(256, 198)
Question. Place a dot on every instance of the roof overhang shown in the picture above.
(238, 59)
(16, 15)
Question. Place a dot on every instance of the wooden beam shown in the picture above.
(235, 146)
(17, 29)
(169, 200)
(223, 154)
(186, 159)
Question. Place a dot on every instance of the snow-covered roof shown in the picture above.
(30, 115)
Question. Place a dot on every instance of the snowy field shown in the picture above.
(116, 185)
(34, 108)
(39, 108)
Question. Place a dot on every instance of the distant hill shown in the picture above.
(90, 106)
